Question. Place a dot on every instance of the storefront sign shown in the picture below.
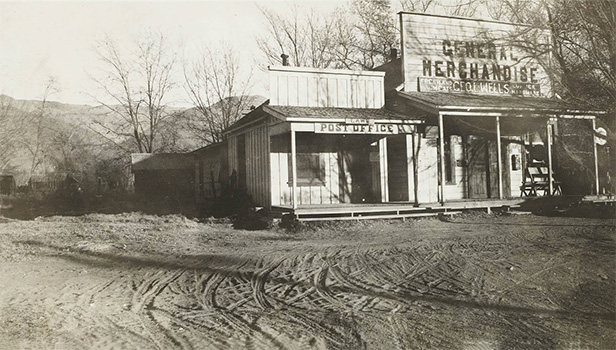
(459, 55)
(478, 87)
(358, 121)
(375, 128)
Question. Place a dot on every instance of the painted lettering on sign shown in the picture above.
(473, 56)
(478, 87)
(376, 128)
(358, 121)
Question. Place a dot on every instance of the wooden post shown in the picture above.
(294, 169)
(499, 159)
(594, 151)
(548, 130)
(415, 139)
(383, 170)
(441, 159)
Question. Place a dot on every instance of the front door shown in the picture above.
(477, 155)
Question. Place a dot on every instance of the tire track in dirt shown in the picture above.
(147, 291)
(258, 281)
(80, 310)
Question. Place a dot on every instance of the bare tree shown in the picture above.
(219, 91)
(37, 138)
(375, 33)
(12, 126)
(461, 8)
(300, 33)
(138, 85)
(357, 36)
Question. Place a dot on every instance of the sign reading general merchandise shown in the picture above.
(374, 128)
(461, 55)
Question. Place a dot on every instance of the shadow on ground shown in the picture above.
(568, 206)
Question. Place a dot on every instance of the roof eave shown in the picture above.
(434, 108)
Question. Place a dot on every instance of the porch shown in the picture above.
(391, 210)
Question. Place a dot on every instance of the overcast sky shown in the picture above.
(39, 40)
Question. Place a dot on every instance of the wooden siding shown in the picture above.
(516, 176)
(423, 37)
(232, 153)
(327, 192)
(211, 172)
(427, 167)
(293, 86)
(257, 165)
(457, 189)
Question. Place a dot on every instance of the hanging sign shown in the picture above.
(374, 128)
(600, 136)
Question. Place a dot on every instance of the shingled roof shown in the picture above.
(334, 113)
(471, 102)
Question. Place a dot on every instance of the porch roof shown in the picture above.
(291, 113)
(442, 101)
(316, 114)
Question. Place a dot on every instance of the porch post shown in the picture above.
(293, 169)
(499, 159)
(441, 158)
(384, 178)
(594, 151)
(548, 130)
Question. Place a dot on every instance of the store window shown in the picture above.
(310, 169)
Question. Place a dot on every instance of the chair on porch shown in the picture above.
(537, 181)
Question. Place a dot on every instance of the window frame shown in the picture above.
(311, 175)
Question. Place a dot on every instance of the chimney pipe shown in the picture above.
(285, 59)
(393, 54)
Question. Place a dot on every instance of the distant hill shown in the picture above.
(85, 127)
(188, 118)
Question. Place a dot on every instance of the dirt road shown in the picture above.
(133, 281)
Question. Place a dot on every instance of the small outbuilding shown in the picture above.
(7, 184)
(163, 177)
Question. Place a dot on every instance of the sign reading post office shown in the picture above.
(461, 55)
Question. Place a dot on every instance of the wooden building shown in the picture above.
(211, 173)
(455, 118)
(163, 177)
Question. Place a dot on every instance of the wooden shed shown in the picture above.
(212, 176)
(163, 176)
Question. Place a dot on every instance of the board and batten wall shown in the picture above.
(313, 87)
(442, 39)
(327, 192)
(256, 144)
(457, 188)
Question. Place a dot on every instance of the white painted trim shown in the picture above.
(383, 170)
(441, 158)
(594, 151)
(499, 159)
(548, 131)
(342, 120)
(294, 169)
